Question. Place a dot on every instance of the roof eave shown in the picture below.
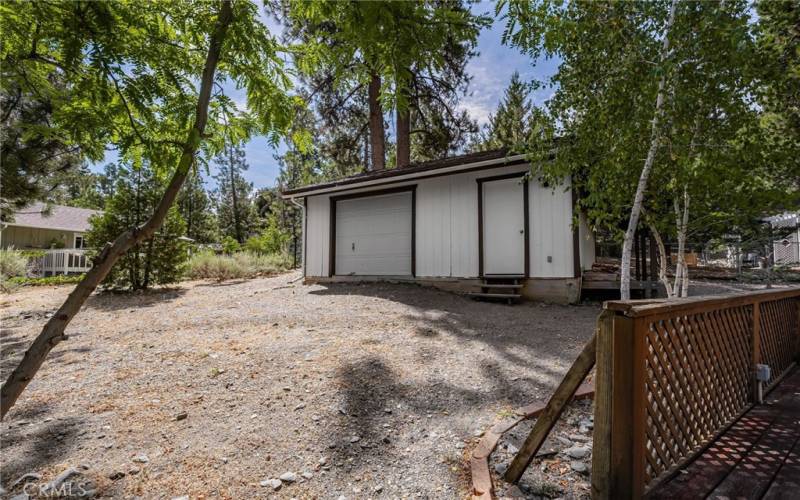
(69, 229)
(350, 184)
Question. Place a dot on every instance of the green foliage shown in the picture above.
(13, 263)
(124, 75)
(230, 245)
(271, 241)
(58, 279)
(156, 261)
(778, 47)
(511, 125)
(418, 50)
(207, 265)
(604, 101)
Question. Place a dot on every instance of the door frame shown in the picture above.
(525, 205)
(367, 194)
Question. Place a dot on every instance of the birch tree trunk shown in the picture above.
(53, 332)
(684, 234)
(655, 140)
(662, 261)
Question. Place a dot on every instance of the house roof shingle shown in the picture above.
(58, 217)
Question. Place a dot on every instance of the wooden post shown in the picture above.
(549, 416)
(756, 347)
(612, 455)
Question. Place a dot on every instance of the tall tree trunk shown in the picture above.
(682, 221)
(53, 332)
(377, 137)
(403, 125)
(403, 137)
(655, 141)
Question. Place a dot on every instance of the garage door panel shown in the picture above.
(373, 235)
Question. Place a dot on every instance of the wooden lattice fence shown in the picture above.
(671, 375)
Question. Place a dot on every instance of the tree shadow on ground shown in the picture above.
(218, 284)
(372, 394)
(43, 443)
(519, 333)
(13, 346)
(118, 301)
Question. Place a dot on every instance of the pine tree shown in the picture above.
(510, 126)
(234, 203)
(196, 209)
(154, 261)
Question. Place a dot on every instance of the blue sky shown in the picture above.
(491, 71)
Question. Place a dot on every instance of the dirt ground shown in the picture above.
(216, 390)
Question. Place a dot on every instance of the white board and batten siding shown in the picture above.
(447, 227)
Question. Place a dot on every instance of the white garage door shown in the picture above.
(373, 235)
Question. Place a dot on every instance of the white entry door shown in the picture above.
(504, 227)
(373, 235)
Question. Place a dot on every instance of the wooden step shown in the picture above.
(501, 285)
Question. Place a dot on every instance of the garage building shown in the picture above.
(461, 223)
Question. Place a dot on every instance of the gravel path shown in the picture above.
(217, 390)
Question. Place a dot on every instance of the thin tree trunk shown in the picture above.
(662, 261)
(685, 234)
(237, 223)
(148, 263)
(655, 141)
(53, 332)
(376, 133)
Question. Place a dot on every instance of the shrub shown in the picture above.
(207, 265)
(270, 241)
(230, 245)
(12, 263)
(59, 279)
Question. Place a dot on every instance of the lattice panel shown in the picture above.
(779, 335)
(697, 378)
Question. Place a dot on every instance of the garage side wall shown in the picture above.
(551, 231)
(317, 235)
(447, 227)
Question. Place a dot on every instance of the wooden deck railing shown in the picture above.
(671, 375)
(61, 261)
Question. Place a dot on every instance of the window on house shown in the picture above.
(78, 241)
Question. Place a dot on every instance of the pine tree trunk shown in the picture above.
(403, 125)
(53, 332)
(237, 223)
(376, 133)
(655, 141)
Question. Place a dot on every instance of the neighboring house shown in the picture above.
(458, 223)
(786, 246)
(59, 232)
(36, 227)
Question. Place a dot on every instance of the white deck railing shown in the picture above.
(64, 261)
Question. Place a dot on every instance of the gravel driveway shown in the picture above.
(216, 390)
